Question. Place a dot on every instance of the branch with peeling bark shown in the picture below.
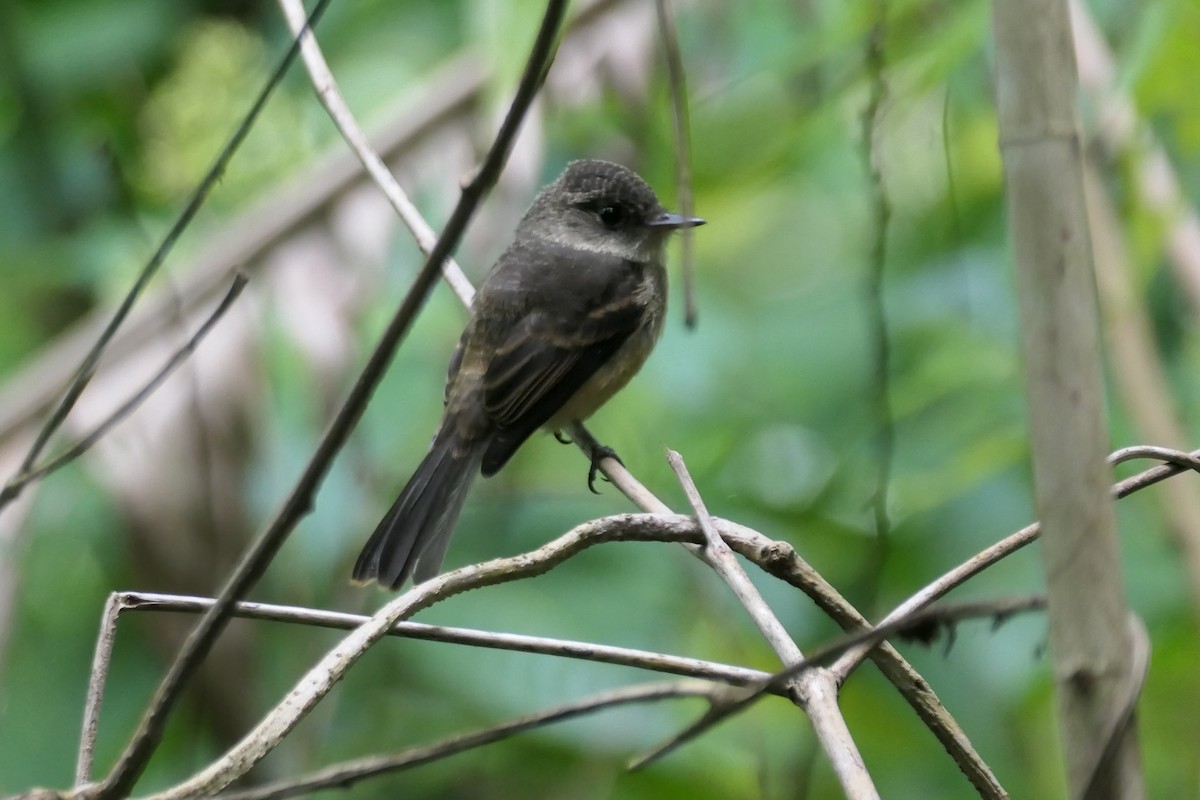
(817, 695)
(775, 557)
(145, 740)
(317, 683)
(822, 697)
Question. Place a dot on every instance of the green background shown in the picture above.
(110, 110)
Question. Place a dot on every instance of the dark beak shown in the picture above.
(673, 221)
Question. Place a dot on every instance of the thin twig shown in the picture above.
(717, 555)
(344, 775)
(777, 558)
(254, 562)
(95, 693)
(933, 591)
(1005, 547)
(1149, 477)
(885, 429)
(815, 692)
(902, 675)
(337, 620)
(619, 528)
(781, 560)
(133, 403)
(332, 667)
(739, 699)
(682, 126)
(88, 367)
(331, 98)
(448, 95)
(323, 676)
(1178, 458)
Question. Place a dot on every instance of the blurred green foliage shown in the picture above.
(110, 110)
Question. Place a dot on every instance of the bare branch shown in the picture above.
(255, 561)
(129, 406)
(565, 648)
(1010, 544)
(309, 690)
(1149, 477)
(1178, 458)
(88, 368)
(323, 676)
(95, 694)
(344, 775)
(737, 700)
(931, 592)
(331, 98)
(778, 558)
(682, 126)
(816, 692)
(781, 560)
(717, 555)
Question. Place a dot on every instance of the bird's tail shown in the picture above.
(413, 536)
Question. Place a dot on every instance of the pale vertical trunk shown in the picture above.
(1040, 142)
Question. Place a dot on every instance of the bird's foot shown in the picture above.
(599, 453)
(562, 438)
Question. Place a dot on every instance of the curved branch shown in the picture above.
(513, 642)
(781, 560)
(738, 700)
(87, 368)
(814, 691)
(332, 667)
(255, 561)
(331, 98)
(343, 775)
(1015, 541)
(86, 442)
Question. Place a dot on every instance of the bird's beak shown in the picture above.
(673, 221)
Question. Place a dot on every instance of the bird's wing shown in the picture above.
(455, 363)
(551, 352)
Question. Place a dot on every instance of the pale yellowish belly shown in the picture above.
(610, 378)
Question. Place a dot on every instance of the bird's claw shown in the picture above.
(599, 453)
(562, 437)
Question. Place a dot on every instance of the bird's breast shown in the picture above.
(612, 376)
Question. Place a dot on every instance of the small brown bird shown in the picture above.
(564, 319)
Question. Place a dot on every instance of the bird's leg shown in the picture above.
(599, 453)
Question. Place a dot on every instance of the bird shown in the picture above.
(564, 319)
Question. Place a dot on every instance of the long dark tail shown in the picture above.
(412, 538)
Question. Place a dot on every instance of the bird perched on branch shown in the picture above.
(564, 319)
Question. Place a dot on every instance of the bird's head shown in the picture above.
(603, 207)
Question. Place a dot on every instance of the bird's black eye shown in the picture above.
(611, 216)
